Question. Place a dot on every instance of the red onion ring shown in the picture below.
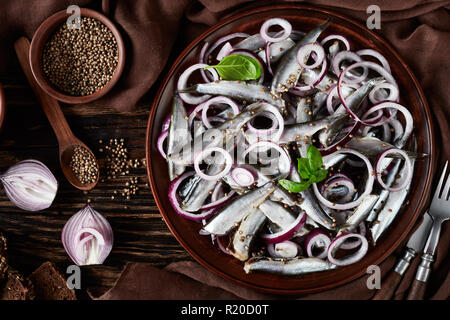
(379, 170)
(182, 83)
(337, 243)
(320, 77)
(173, 198)
(243, 177)
(368, 187)
(224, 51)
(284, 161)
(201, 156)
(336, 37)
(393, 93)
(285, 250)
(346, 182)
(287, 29)
(219, 99)
(305, 51)
(317, 238)
(160, 143)
(377, 55)
(288, 233)
(354, 244)
(347, 55)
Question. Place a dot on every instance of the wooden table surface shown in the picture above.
(140, 235)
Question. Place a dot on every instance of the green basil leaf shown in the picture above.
(238, 67)
(320, 175)
(314, 158)
(303, 168)
(294, 186)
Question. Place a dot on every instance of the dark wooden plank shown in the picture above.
(140, 234)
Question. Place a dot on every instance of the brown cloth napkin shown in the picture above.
(156, 31)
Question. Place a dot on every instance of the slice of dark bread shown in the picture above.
(15, 287)
(49, 284)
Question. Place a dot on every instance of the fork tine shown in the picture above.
(441, 181)
(446, 189)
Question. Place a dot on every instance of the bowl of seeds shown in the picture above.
(77, 60)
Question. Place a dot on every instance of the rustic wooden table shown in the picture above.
(139, 231)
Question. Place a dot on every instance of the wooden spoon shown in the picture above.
(66, 139)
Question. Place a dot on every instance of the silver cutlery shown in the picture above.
(439, 211)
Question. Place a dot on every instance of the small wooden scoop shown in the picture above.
(66, 139)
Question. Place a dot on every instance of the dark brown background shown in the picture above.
(419, 30)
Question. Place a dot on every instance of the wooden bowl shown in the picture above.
(40, 37)
(187, 232)
(2, 107)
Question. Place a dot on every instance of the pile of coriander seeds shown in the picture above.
(80, 62)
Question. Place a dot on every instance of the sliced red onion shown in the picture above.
(379, 170)
(87, 237)
(264, 132)
(208, 151)
(160, 143)
(350, 245)
(305, 51)
(288, 233)
(224, 51)
(367, 189)
(217, 192)
(219, 99)
(202, 60)
(221, 246)
(166, 124)
(336, 37)
(218, 202)
(355, 257)
(182, 83)
(350, 133)
(377, 55)
(173, 198)
(30, 185)
(320, 77)
(285, 250)
(346, 55)
(268, 60)
(264, 31)
(284, 161)
(317, 238)
(398, 128)
(329, 102)
(224, 39)
(393, 93)
(243, 177)
(346, 182)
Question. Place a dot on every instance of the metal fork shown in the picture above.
(439, 211)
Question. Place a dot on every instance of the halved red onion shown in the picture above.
(379, 170)
(219, 99)
(367, 189)
(336, 37)
(305, 51)
(264, 31)
(173, 198)
(317, 238)
(377, 55)
(224, 51)
(289, 232)
(160, 143)
(285, 250)
(208, 151)
(182, 83)
(87, 237)
(243, 177)
(355, 257)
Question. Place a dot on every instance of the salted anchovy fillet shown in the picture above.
(232, 213)
(309, 77)
(393, 204)
(372, 147)
(360, 212)
(198, 194)
(314, 211)
(333, 159)
(390, 178)
(238, 90)
(327, 137)
(252, 43)
(178, 135)
(243, 237)
(186, 187)
(223, 135)
(293, 267)
(277, 50)
(304, 109)
(288, 70)
(278, 213)
(304, 131)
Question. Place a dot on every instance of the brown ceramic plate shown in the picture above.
(200, 247)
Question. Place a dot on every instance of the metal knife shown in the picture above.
(415, 245)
